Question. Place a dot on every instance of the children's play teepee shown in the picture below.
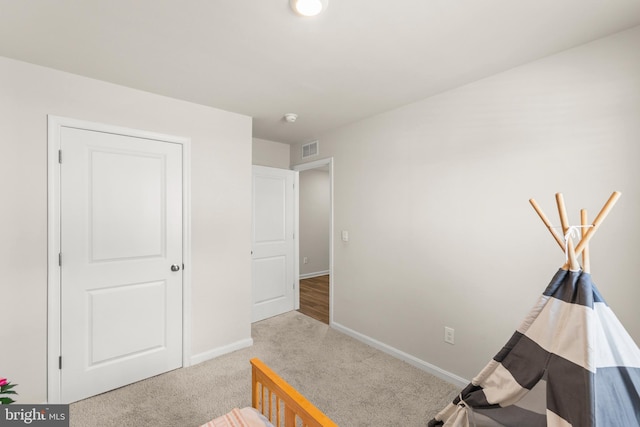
(570, 363)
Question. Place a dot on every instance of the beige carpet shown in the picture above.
(353, 383)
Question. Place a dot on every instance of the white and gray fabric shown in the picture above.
(570, 363)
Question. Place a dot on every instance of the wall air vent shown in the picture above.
(310, 149)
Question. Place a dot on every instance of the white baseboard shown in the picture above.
(315, 274)
(216, 352)
(412, 360)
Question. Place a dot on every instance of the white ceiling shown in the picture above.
(255, 57)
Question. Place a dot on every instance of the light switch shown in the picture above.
(345, 236)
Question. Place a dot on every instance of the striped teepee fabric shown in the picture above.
(572, 352)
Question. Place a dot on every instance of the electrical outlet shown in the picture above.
(449, 335)
(305, 260)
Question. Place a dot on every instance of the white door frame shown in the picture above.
(55, 124)
(303, 167)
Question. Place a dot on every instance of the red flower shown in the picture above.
(3, 381)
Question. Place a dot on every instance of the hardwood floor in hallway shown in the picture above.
(314, 298)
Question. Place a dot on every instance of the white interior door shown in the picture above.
(273, 242)
(121, 250)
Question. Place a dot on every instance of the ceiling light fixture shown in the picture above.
(291, 117)
(308, 7)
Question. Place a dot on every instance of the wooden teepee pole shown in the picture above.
(587, 232)
(546, 222)
(573, 261)
(586, 262)
(596, 222)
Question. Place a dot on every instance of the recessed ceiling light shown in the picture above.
(308, 7)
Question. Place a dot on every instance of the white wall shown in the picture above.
(221, 222)
(315, 212)
(270, 153)
(435, 197)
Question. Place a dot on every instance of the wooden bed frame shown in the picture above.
(280, 403)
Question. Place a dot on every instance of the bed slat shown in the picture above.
(295, 404)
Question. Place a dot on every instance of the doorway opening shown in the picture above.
(314, 297)
(315, 225)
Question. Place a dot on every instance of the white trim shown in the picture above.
(412, 360)
(296, 241)
(53, 271)
(220, 351)
(54, 125)
(313, 165)
(186, 253)
(315, 274)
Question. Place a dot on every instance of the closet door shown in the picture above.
(121, 252)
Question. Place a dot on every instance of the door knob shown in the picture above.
(175, 267)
